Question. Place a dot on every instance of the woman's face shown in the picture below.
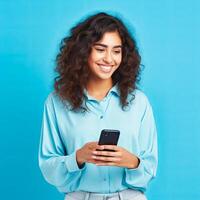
(106, 56)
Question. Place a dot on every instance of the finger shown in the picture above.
(106, 153)
(93, 145)
(110, 147)
(99, 147)
(106, 158)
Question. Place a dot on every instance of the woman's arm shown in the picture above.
(146, 171)
(58, 168)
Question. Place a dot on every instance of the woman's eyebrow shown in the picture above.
(104, 45)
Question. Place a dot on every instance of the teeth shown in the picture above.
(105, 68)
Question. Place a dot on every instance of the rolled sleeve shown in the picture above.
(72, 164)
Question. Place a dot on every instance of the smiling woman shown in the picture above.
(105, 58)
(76, 49)
(106, 54)
(98, 70)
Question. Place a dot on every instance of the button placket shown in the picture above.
(104, 106)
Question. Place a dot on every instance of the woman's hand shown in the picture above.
(84, 154)
(120, 157)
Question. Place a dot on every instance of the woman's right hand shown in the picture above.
(84, 154)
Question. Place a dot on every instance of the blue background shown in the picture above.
(168, 34)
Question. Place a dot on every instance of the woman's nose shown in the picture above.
(108, 57)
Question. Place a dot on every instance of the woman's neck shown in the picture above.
(99, 89)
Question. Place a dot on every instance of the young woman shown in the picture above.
(98, 70)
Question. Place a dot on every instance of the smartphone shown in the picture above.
(109, 137)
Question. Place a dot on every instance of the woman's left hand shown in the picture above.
(119, 157)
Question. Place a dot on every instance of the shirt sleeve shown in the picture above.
(58, 168)
(139, 177)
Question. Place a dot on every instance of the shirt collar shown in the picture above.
(114, 90)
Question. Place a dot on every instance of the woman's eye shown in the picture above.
(117, 52)
(100, 50)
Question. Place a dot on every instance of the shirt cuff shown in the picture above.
(71, 163)
(136, 171)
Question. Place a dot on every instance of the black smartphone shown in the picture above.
(109, 137)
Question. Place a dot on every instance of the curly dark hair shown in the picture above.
(72, 60)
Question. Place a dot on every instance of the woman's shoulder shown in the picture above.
(53, 99)
(141, 98)
(140, 102)
(140, 95)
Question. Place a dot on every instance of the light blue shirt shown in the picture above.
(64, 131)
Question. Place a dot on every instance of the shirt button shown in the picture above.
(101, 117)
(104, 179)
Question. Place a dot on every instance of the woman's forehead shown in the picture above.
(110, 39)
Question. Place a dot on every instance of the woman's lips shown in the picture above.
(105, 68)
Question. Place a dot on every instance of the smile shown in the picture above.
(105, 68)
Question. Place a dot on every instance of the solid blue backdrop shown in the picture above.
(168, 37)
